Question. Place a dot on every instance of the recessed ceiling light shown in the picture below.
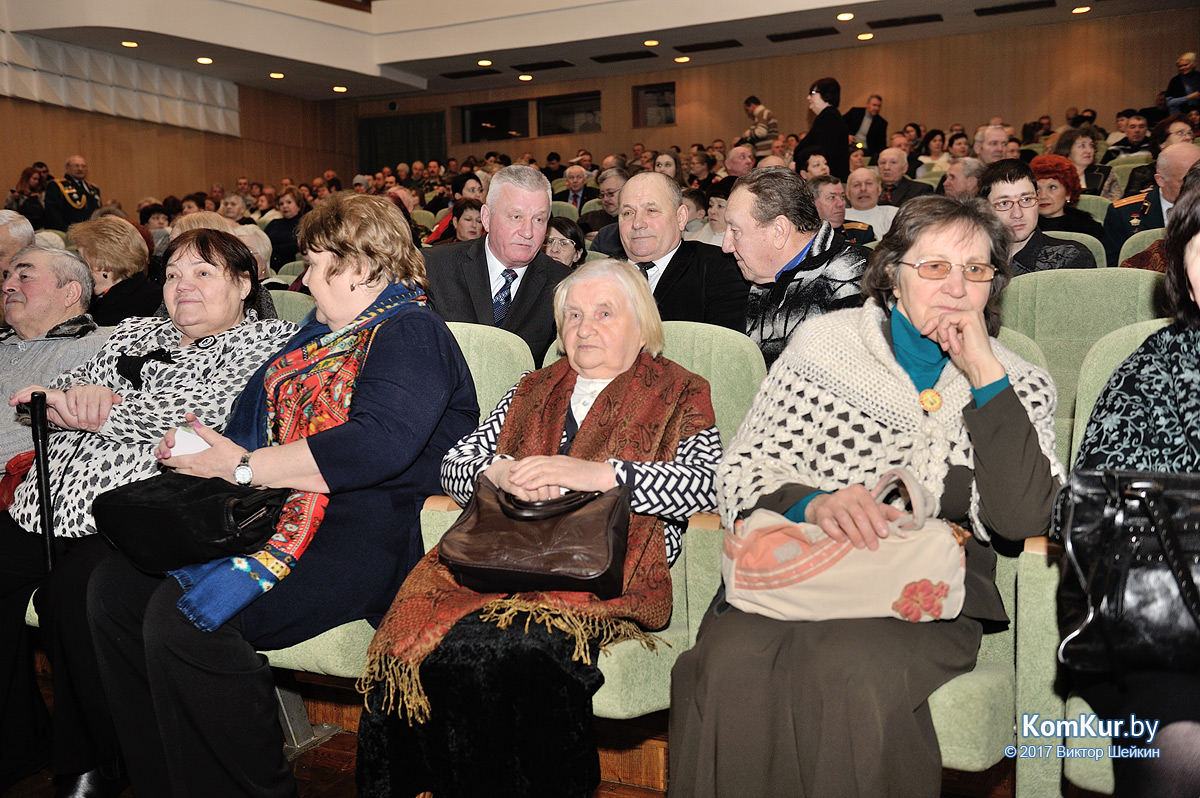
(682, 59)
(277, 75)
(1081, 9)
(340, 89)
(203, 60)
(863, 37)
(845, 17)
(651, 42)
(483, 62)
(129, 44)
(525, 78)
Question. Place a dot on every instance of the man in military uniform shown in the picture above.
(1148, 210)
(72, 198)
(829, 197)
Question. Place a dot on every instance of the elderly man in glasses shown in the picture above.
(1011, 189)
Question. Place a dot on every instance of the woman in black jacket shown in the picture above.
(829, 132)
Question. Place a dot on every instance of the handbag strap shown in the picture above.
(1150, 494)
(917, 495)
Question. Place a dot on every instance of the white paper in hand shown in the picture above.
(188, 442)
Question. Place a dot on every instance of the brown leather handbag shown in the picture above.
(501, 544)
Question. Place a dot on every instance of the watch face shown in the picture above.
(242, 475)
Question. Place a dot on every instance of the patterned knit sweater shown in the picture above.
(837, 410)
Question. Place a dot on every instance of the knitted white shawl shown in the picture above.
(837, 410)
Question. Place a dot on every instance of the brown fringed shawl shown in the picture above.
(642, 415)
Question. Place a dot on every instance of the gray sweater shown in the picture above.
(37, 361)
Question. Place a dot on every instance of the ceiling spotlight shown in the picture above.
(1081, 9)
(845, 16)
(276, 75)
(682, 59)
(483, 62)
(525, 78)
(129, 44)
(863, 37)
(203, 60)
(340, 89)
(651, 42)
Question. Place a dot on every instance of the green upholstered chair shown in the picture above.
(1138, 242)
(729, 360)
(1037, 632)
(292, 269)
(423, 218)
(1091, 242)
(1141, 159)
(1121, 172)
(1067, 310)
(558, 184)
(932, 179)
(595, 255)
(1095, 205)
(59, 234)
(442, 214)
(560, 208)
(497, 359)
(292, 305)
(1099, 364)
(591, 205)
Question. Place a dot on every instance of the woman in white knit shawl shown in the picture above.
(915, 378)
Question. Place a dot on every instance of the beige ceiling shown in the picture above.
(403, 47)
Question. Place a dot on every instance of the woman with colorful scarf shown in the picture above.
(354, 414)
(473, 694)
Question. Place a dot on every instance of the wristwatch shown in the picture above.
(242, 474)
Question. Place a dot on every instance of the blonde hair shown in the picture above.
(634, 286)
(111, 244)
(362, 227)
(200, 220)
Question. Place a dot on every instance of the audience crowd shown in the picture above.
(764, 234)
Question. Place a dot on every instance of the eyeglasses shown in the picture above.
(940, 270)
(555, 244)
(1006, 205)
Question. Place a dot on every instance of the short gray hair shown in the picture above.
(525, 178)
(258, 241)
(616, 171)
(778, 191)
(68, 268)
(673, 189)
(971, 167)
(634, 286)
(19, 228)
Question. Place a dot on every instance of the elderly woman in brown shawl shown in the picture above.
(489, 694)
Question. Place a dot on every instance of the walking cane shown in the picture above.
(41, 465)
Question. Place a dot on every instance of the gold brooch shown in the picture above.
(930, 400)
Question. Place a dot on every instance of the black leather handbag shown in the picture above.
(171, 520)
(577, 542)
(1127, 600)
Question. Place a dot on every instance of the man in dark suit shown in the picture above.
(897, 187)
(503, 279)
(868, 128)
(577, 192)
(691, 281)
(1147, 211)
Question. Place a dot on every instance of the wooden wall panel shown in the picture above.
(1019, 73)
(129, 159)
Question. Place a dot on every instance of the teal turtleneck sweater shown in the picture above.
(923, 361)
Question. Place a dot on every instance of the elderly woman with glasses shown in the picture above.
(915, 378)
(564, 242)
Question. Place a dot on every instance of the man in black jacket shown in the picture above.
(868, 128)
(800, 266)
(503, 279)
(691, 281)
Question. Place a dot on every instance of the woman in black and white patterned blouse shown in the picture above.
(111, 412)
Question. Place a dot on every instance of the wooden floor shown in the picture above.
(631, 751)
(325, 772)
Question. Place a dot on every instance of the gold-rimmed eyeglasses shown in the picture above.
(940, 270)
